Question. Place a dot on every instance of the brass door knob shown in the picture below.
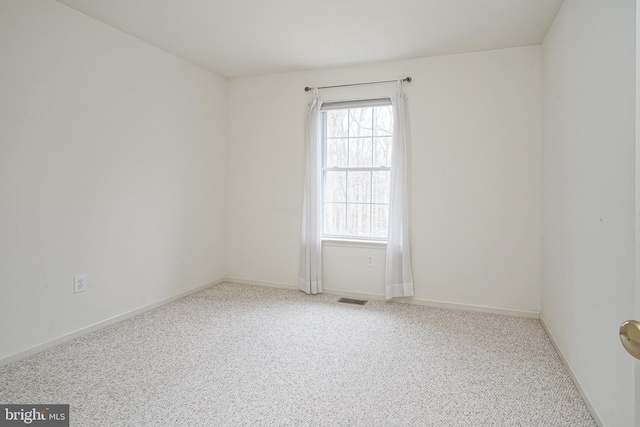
(630, 337)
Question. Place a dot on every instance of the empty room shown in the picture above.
(345, 213)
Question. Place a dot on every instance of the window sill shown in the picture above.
(354, 243)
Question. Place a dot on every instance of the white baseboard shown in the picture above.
(356, 295)
(330, 291)
(528, 314)
(22, 354)
(594, 413)
(417, 301)
(243, 281)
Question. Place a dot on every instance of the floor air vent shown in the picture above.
(353, 301)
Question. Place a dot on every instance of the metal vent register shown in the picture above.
(353, 301)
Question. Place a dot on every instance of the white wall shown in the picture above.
(637, 189)
(112, 164)
(475, 173)
(588, 196)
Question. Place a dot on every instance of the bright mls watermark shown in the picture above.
(34, 415)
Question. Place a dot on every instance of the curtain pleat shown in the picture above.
(310, 280)
(398, 276)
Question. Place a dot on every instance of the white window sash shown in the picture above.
(342, 105)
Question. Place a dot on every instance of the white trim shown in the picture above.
(23, 354)
(356, 103)
(411, 300)
(513, 312)
(348, 106)
(354, 243)
(14, 357)
(356, 295)
(242, 281)
(594, 413)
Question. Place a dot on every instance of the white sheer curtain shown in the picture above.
(398, 277)
(310, 280)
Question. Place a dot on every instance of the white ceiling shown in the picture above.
(237, 38)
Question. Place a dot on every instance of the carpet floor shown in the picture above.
(238, 355)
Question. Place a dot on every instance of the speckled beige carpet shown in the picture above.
(237, 355)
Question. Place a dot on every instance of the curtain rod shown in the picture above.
(406, 79)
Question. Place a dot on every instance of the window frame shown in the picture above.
(346, 105)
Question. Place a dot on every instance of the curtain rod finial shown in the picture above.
(408, 79)
(307, 89)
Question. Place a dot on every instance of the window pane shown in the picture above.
(335, 218)
(359, 186)
(356, 202)
(358, 220)
(360, 152)
(381, 186)
(335, 186)
(379, 220)
(382, 152)
(336, 155)
(361, 122)
(337, 123)
(382, 121)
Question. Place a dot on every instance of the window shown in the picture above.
(357, 140)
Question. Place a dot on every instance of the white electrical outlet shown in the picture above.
(79, 284)
(369, 260)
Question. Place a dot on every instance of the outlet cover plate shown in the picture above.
(79, 283)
